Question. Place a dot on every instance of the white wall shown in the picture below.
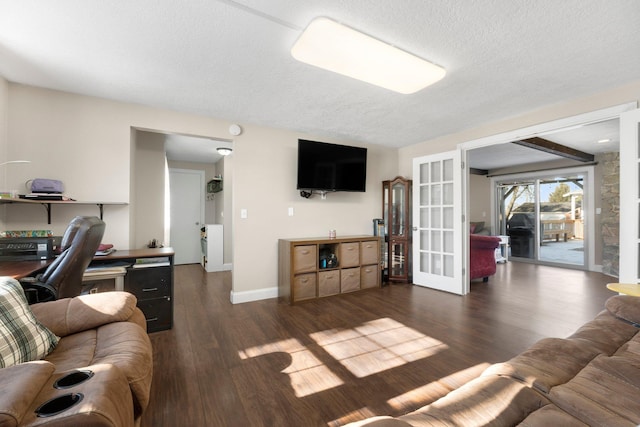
(86, 143)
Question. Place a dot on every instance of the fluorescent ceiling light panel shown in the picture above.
(335, 47)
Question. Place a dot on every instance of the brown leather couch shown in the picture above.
(591, 378)
(103, 361)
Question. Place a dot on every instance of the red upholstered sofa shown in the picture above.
(482, 262)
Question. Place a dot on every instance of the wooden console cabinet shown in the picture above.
(316, 268)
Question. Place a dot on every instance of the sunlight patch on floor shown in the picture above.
(376, 346)
(308, 375)
(365, 350)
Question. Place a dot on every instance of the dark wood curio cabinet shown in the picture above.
(396, 213)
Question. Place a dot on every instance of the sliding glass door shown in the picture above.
(544, 217)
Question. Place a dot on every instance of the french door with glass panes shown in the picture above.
(438, 255)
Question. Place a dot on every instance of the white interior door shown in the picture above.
(629, 270)
(187, 213)
(438, 254)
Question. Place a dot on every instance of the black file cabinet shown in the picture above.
(150, 278)
(153, 287)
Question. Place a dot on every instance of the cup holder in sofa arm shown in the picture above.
(58, 404)
(73, 378)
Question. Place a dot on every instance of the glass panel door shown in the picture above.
(437, 207)
(518, 219)
(561, 220)
(543, 217)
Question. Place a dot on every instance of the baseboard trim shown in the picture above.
(257, 295)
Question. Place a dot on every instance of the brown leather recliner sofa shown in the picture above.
(101, 367)
(591, 378)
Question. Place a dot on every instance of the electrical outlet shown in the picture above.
(290, 211)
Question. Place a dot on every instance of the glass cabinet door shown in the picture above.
(396, 213)
(398, 210)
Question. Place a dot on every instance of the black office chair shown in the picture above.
(63, 278)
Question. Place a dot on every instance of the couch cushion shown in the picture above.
(381, 421)
(21, 384)
(604, 393)
(492, 400)
(70, 315)
(551, 415)
(625, 308)
(605, 332)
(122, 344)
(23, 338)
(547, 363)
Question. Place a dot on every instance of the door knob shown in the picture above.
(415, 228)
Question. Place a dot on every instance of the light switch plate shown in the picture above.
(243, 213)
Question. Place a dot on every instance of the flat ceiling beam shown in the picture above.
(557, 149)
(475, 171)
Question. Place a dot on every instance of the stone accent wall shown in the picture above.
(610, 216)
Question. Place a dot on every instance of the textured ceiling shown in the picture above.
(230, 59)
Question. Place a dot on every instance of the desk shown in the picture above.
(149, 276)
(20, 269)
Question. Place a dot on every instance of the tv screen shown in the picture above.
(331, 167)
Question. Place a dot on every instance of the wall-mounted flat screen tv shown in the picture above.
(331, 167)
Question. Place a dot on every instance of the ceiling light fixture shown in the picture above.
(224, 151)
(603, 141)
(335, 47)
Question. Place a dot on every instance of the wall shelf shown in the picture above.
(47, 204)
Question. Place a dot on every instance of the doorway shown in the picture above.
(581, 129)
(544, 216)
(154, 152)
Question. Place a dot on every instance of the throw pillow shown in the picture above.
(22, 337)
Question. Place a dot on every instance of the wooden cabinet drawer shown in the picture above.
(328, 283)
(350, 279)
(304, 286)
(148, 283)
(349, 254)
(369, 275)
(158, 312)
(305, 258)
(370, 251)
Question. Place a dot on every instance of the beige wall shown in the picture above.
(4, 111)
(264, 183)
(86, 143)
(148, 177)
(480, 199)
(4, 89)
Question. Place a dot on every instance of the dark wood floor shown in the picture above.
(383, 351)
